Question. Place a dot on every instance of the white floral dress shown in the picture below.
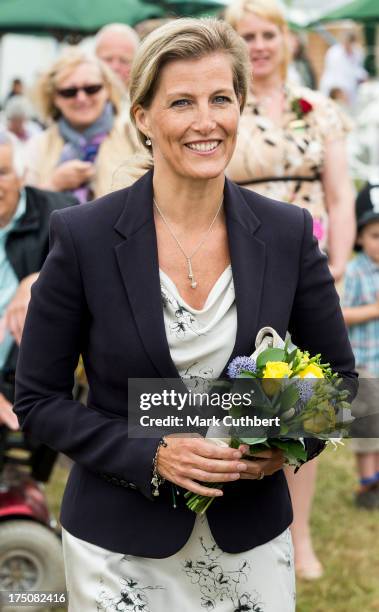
(200, 576)
(285, 162)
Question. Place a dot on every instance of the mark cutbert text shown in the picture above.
(197, 421)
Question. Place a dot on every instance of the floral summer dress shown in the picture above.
(285, 162)
(200, 576)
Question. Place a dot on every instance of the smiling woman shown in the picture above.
(172, 278)
(192, 123)
(86, 140)
(190, 126)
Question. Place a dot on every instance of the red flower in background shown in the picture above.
(301, 107)
(306, 107)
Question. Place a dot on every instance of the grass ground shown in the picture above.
(346, 540)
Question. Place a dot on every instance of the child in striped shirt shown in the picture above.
(361, 313)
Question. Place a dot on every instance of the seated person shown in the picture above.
(24, 241)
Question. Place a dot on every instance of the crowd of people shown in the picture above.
(191, 103)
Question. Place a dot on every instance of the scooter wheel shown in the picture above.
(30, 560)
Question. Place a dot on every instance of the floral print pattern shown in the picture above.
(132, 597)
(199, 577)
(185, 321)
(293, 149)
(214, 583)
(217, 584)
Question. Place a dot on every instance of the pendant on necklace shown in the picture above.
(190, 274)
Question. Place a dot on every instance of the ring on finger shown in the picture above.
(261, 475)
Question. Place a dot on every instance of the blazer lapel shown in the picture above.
(248, 259)
(137, 258)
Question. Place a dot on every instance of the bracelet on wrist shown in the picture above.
(157, 480)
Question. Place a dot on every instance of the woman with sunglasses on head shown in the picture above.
(291, 147)
(87, 140)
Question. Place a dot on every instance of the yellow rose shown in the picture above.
(312, 371)
(277, 369)
(274, 369)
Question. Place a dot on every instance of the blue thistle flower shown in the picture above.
(241, 363)
(305, 388)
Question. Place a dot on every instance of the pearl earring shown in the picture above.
(148, 142)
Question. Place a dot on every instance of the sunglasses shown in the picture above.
(72, 92)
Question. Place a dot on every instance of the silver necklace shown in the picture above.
(191, 277)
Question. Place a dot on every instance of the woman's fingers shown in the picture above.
(7, 416)
(265, 462)
(217, 465)
(265, 466)
(195, 487)
(205, 448)
(201, 475)
(255, 468)
(198, 459)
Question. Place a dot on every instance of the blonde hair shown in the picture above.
(266, 9)
(65, 64)
(180, 39)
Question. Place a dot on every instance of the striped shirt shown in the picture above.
(361, 288)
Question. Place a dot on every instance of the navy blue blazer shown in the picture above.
(98, 295)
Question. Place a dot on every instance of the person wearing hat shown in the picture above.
(361, 314)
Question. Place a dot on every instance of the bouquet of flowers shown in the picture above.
(298, 388)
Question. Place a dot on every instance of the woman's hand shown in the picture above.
(185, 461)
(15, 314)
(7, 416)
(72, 174)
(268, 462)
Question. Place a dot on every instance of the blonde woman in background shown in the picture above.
(87, 140)
(291, 148)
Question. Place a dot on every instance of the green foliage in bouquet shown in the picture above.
(301, 390)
